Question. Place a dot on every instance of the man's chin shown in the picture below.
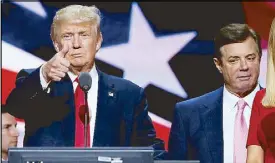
(246, 87)
(76, 68)
(77, 64)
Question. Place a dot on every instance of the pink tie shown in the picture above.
(240, 134)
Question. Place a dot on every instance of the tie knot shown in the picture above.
(76, 80)
(241, 104)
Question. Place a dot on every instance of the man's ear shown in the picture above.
(99, 41)
(218, 64)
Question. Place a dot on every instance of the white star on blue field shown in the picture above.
(145, 57)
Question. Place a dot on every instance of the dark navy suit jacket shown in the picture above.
(121, 120)
(197, 129)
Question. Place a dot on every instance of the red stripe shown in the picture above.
(271, 4)
(162, 133)
(8, 83)
(259, 16)
(19, 120)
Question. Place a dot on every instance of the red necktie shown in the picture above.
(79, 125)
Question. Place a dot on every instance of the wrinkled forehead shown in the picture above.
(249, 46)
(76, 26)
(8, 119)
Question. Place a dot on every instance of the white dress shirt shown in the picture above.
(4, 161)
(229, 112)
(92, 96)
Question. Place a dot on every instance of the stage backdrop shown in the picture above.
(164, 47)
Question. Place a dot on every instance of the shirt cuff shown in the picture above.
(43, 82)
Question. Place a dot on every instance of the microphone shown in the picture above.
(85, 83)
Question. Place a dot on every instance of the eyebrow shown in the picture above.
(6, 125)
(67, 33)
(233, 57)
(9, 124)
(248, 55)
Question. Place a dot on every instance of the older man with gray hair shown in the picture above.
(52, 98)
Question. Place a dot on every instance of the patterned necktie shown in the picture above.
(240, 134)
(79, 122)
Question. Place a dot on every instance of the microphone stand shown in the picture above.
(86, 119)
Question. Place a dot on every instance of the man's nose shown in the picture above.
(243, 64)
(76, 42)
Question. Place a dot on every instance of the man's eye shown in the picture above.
(84, 34)
(251, 58)
(232, 61)
(66, 36)
(6, 127)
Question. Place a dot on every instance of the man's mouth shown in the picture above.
(76, 55)
(244, 78)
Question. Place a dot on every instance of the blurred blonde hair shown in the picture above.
(76, 12)
(269, 98)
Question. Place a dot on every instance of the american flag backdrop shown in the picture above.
(164, 47)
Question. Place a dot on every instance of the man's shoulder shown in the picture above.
(25, 72)
(200, 100)
(121, 84)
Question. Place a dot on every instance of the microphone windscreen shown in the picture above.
(85, 81)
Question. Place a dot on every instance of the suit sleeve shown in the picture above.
(178, 139)
(144, 133)
(27, 86)
(29, 101)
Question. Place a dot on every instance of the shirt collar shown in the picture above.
(92, 72)
(233, 99)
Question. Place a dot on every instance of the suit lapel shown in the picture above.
(106, 102)
(64, 88)
(212, 116)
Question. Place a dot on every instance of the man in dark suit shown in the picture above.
(51, 96)
(213, 127)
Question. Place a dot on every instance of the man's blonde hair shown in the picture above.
(269, 98)
(76, 12)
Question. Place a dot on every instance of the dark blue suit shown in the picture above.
(121, 120)
(197, 129)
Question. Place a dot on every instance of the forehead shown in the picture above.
(249, 46)
(75, 26)
(8, 119)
